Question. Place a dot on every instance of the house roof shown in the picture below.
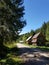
(35, 40)
(36, 35)
(29, 38)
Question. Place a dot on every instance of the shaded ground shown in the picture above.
(33, 56)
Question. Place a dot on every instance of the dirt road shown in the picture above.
(33, 56)
(22, 45)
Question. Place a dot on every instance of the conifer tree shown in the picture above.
(11, 20)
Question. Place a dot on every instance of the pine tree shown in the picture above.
(47, 31)
(11, 20)
(43, 28)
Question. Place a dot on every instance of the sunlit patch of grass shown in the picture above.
(31, 46)
(17, 59)
(10, 44)
(43, 48)
(12, 60)
(3, 60)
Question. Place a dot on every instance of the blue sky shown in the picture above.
(36, 12)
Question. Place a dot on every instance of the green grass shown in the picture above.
(12, 57)
(3, 60)
(31, 46)
(10, 45)
(43, 48)
(11, 61)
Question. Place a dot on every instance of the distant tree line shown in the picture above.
(44, 29)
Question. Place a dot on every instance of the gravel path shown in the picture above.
(33, 56)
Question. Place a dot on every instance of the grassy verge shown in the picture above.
(43, 48)
(11, 61)
(12, 57)
(10, 45)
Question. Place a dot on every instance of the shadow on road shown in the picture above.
(28, 50)
(32, 56)
(35, 62)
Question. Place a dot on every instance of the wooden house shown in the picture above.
(37, 39)
(29, 40)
